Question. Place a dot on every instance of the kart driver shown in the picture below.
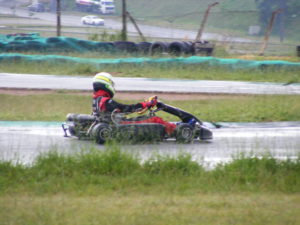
(104, 91)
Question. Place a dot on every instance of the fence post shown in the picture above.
(124, 21)
(58, 21)
(268, 31)
(200, 31)
(136, 26)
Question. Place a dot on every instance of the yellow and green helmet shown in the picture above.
(104, 81)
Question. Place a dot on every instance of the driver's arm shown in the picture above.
(111, 105)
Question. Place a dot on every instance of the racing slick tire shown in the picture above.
(184, 133)
(101, 133)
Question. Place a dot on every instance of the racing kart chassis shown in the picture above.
(103, 127)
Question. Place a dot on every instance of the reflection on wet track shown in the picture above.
(25, 143)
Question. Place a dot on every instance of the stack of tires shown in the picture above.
(181, 48)
(131, 47)
(178, 48)
(159, 47)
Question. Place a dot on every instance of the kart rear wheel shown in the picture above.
(102, 133)
(184, 133)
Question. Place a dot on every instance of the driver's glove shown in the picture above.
(149, 104)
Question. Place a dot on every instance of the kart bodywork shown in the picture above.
(108, 126)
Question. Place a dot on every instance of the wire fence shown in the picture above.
(234, 47)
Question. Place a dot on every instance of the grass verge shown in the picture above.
(93, 171)
(112, 187)
(54, 107)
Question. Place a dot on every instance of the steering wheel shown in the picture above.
(150, 109)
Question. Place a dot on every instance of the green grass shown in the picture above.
(43, 107)
(54, 107)
(92, 171)
(197, 72)
(136, 209)
(113, 187)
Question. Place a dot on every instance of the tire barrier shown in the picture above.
(159, 48)
(36, 46)
(87, 45)
(108, 47)
(19, 36)
(54, 40)
(126, 46)
(178, 48)
(203, 48)
(24, 38)
(15, 43)
(144, 47)
(15, 46)
(33, 42)
(2, 47)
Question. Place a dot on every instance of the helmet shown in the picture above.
(103, 81)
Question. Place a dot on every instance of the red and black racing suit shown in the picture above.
(102, 102)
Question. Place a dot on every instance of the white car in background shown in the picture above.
(92, 20)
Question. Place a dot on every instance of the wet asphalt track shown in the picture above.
(23, 142)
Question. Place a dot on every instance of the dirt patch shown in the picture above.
(119, 95)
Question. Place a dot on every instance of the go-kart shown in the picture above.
(103, 127)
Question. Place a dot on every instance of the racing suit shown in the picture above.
(102, 102)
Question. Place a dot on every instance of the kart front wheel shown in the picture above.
(184, 133)
(102, 133)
